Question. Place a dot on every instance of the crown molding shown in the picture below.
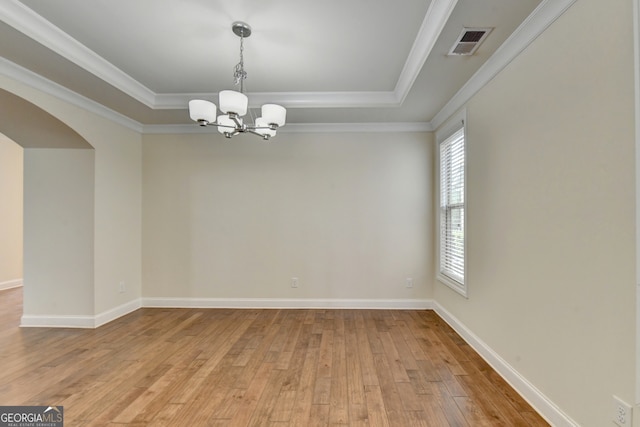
(357, 127)
(39, 29)
(20, 74)
(302, 128)
(33, 25)
(290, 99)
(44, 32)
(535, 24)
(432, 25)
(16, 72)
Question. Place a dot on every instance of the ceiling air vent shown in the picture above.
(469, 40)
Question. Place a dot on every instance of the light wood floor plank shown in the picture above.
(225, 367)
(339, 400)
(301, 410)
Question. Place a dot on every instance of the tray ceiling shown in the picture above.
(346, 62)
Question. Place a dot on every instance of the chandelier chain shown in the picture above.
(239, 73)
(234, 105)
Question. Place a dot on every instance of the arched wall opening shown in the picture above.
(11, 200)
(58, 217)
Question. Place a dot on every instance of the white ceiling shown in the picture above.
(346, 62)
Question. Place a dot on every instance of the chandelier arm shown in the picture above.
(231, 134)
(270, 127)
(239, 124)
(223, 126)
(265, 137)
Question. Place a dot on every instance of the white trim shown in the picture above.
(383, 304)
(25, 20)
(33, 25)
(178, 129)
(10, 284)
(453, 125)
(73, 321)
(460, 288)
(357, 127)
(178, 101)
(301, 128)
(432, 25)
(327, 99)
(31, 79)
(28, 22)
(535, 24)
(116, 312)
(36, 81)
(636, 75)
(90, 322)
(541, 403)
(39, 29)
(53, 321)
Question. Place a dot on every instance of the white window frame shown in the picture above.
(456, 124)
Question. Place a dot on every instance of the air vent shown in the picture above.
(469, 40)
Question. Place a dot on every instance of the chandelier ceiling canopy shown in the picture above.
(234, 104)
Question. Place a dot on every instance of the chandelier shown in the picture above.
(234, 104)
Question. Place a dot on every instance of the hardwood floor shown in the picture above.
(213, 367)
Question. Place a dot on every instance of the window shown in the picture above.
(451, 215)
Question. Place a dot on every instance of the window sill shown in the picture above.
(455, 285)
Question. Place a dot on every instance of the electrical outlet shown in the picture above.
(409, 282)
(621, 412)
(294, 282)
(122, 288)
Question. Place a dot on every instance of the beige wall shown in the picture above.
(58, 240)
(118, 210)
(117, 199)
(551, 249)
(348, 214)
(10, 213)
(550, 213)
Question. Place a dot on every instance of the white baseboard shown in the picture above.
(541, 403)
(391, 304)
(72, 321)
(53, 321)
(75, 321)
(10, 284)
(122, 310)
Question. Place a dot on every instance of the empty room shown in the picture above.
(286, 213)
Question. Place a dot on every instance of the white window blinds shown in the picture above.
(452, 206)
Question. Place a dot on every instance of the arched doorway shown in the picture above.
(59, 169)
(11, 189)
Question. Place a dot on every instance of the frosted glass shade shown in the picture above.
(261, 122)
(226, 120)
(233, 102)
(202, 111)
(273, 113)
